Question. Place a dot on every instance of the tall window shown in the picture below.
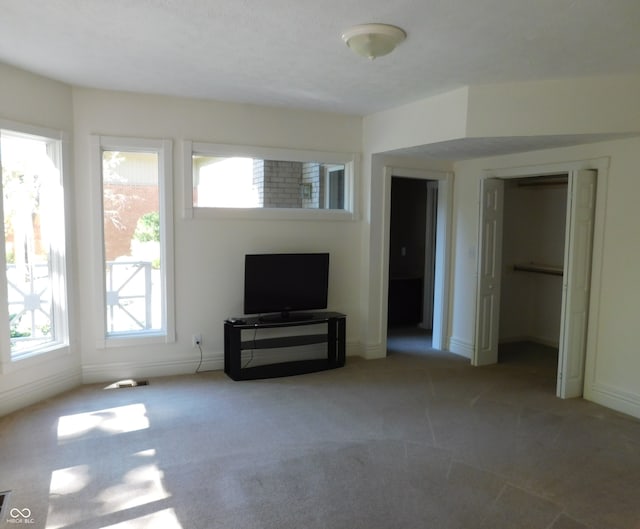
(136, 234)
(33, 242)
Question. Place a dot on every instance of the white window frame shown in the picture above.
(59, 263)
(164, 149)
(327, 182)
(349, 160)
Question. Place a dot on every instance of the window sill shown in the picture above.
(270, 214)
(29, 359)
(135, 339)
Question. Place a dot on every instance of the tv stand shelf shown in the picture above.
(234, 345)
(286, 341)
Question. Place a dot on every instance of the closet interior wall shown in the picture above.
(533, 257)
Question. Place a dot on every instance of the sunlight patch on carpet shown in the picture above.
(139, 486)
(166, 519)
(111, 421)
(69, 480)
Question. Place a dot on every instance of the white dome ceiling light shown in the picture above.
(373, 40)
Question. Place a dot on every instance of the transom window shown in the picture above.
(256, 183)
(225, 177)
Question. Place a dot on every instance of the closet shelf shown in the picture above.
(539, 269)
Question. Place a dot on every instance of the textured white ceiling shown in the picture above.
(290, 52)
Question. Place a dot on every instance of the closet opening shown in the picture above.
(534, 246)
(533, 256)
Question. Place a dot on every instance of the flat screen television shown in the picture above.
(277, 285)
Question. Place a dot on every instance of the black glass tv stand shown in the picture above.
(284, 317)
(334, 337)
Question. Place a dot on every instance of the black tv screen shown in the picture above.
(281, 283)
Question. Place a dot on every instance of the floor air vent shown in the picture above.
(4, 497)
(132, 383)
(129, 383)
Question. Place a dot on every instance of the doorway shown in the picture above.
(575, 246)
(412, 241)
(441, 193)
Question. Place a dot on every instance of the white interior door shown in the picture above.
(489, 272)
(576, 283)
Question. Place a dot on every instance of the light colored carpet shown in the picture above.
(414, 440)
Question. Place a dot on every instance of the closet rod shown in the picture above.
(539, 269)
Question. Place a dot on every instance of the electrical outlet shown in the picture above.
(196, 340)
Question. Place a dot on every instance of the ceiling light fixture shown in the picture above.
(373, 40)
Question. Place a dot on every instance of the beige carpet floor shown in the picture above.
(419, 439)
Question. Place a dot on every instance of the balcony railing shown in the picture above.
(129, 296)
(29, 300)
(129, 300)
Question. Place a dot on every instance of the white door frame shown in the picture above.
(443, 249)
(431, 224)
(601, 165)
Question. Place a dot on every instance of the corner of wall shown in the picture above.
(32, 392)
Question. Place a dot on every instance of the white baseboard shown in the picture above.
(354, 349)
(36, 391)
(373, 351)
(461, 347)
(622, 401)
(212, 363)
(112, 372)
(533, 339)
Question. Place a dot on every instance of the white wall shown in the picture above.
(432, 120)
(612, 359)
(209, 254)
(34, 100)
(28, 99)
(558, 107)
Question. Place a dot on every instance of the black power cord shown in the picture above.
(199, 344)
(255, 333)
(200, 363)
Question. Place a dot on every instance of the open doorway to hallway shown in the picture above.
(408, 340)
(412, 249)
